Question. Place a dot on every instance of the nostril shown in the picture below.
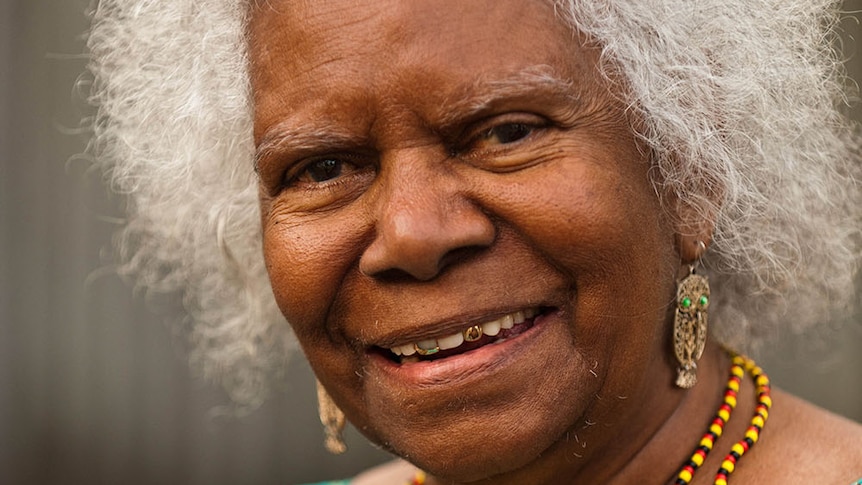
(452, 258)
(399, 275)
(459, 256)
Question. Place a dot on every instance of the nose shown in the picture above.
(424, 222)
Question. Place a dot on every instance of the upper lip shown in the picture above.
(413, 332)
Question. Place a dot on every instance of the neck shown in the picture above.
(680, 432)
(659, 433)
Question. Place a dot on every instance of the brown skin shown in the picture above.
(461, 188)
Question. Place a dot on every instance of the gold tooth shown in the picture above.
(473, 333)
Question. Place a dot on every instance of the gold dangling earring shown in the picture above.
(690, 325)
(333, 421)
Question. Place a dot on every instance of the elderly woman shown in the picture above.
(499, 230)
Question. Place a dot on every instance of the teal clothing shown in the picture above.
(336, 482)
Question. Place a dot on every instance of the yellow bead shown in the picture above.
(730, 400)
(727, 465)
(756, 370)
(721, 481)
(765, 414)
(767, 401)
(733, 385)
(716, 429)
(738, 449)
(757, 421)
(738, 360)
(685, 475)
(707, 442)
(762, 381)
(752, 434)
(697, 458)
(723, 414)
(738, 372)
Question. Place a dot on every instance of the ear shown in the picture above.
(693, 236)
(693, 240)
(693, 211)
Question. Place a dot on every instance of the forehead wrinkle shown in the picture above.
(484, 93)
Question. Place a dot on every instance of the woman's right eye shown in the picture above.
(327, 180)
(320, 172)
(323, 170)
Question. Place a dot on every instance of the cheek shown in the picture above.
(584, 218)
(600, 224)
(306, 260)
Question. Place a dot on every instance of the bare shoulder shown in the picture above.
(396, 472)
(803, 443)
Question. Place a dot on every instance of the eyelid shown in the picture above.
(490, 122)
(474, 132)
(297, 169)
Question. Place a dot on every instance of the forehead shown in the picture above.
(340, 56)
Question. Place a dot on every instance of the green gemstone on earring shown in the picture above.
(703, 300)
(686, 302)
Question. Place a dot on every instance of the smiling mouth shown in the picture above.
(475, 336)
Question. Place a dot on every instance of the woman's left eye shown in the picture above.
(506, 133)
(506, 142)
(496, 135)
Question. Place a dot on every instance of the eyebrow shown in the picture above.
(473, 100)
(484, 94)
(286, 134)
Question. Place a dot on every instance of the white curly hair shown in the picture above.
(740, 102)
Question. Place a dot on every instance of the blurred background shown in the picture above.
(94, 387)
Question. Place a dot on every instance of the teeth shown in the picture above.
(491, 328)
(432, 346)
(451, 341)
(427, 347)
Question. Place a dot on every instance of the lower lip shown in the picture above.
(475, 364)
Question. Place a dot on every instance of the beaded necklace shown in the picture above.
(740, 365)
(761, 413)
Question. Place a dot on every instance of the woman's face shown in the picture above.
(427, 167)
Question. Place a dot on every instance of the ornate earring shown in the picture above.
(689, 326)
(333, 421)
